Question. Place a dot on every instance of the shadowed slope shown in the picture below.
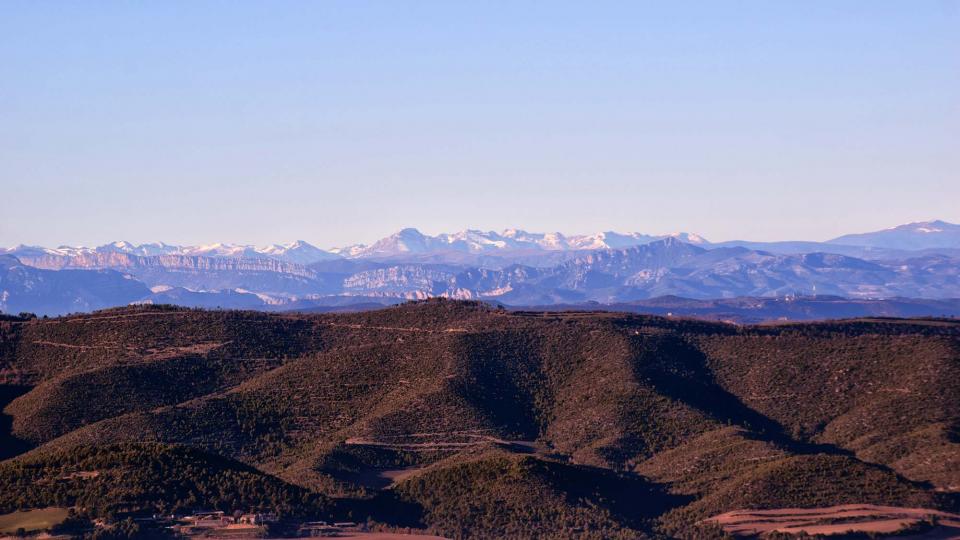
(440, 399)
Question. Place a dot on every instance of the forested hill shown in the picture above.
(475, 422)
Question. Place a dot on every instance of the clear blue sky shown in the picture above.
(335, 122)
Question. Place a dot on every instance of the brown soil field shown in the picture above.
(848, 518)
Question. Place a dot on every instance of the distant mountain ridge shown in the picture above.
(412, 241)
(936, 234)
(24, 288)
(918, 235)
(299, 252)
(513, 267)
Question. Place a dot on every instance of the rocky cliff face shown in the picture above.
(399, 280)
(131, 263)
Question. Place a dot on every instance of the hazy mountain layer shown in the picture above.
(920, 235)
(513, 268)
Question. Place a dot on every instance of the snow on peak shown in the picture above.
(478, 241)
(689, 238)
(404, 242)
(299, 252)
(932, 226)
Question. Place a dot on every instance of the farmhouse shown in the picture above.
(258, 518)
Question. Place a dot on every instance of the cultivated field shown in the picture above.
(843, 519)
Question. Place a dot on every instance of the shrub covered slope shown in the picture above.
(477, 422)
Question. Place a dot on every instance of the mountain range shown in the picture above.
(511, 267)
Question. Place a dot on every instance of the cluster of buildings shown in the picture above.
(200, 523)
(221, 524)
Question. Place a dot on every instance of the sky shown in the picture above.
(341, 122)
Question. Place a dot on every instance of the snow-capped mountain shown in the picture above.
(405, 242)
(412, 241)
(689, 238)
(298, 252)
(145, 250)
(39, 251)
(511, 266)
(914, 236)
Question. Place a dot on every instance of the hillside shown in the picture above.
(754, 309)
(150, 477)
(472, 421)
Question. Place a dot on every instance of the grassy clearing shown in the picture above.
(32, 520)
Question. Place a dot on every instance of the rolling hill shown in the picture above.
(471, 421)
